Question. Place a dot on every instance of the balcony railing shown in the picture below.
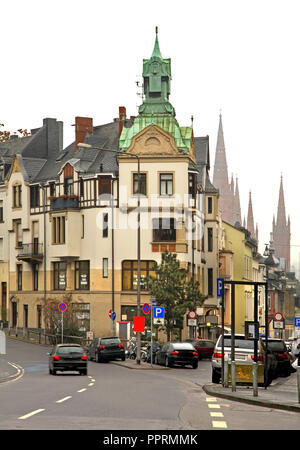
(64, 202)
(32, 251)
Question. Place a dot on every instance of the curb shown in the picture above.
(139, 367)
(259, 402)
(14, 376)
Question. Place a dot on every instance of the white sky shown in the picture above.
(68, 58)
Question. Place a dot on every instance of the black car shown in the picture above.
(68, 357)
(106, 349)
(280, 351)
(182, 353)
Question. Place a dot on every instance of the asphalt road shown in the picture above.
(112, 397)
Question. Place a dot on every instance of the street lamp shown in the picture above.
(117, 152)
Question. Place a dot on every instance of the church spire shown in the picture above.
(237, 206)
(156, 50)
(281, 232)
(250, 220)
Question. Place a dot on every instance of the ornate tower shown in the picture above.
(220, 179)
(282, 232)
(250, 220)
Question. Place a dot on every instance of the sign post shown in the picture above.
(62, 307)
(153, 303)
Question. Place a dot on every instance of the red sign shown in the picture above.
(109, 313)
(62, 307)
(139, 324)
(146, 308)
(278, 317)
(192, 315)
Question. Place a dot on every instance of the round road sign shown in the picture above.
(109, 313)
(62, 307)
(192, 314)
(146, 308)
(278, 316)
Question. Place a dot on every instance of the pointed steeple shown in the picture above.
(237, 206)
(156, 51)
(282, 232)
(250, 220)
(220, 178)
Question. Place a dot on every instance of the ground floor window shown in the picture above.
(82, 275)
(59, 276)
(81, 315)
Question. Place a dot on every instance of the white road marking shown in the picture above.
(82, 390)
(211, 399)
(214, 406)
(64, 399)
(91, 384)
(216, 414)
(219, 424)
(31, 414)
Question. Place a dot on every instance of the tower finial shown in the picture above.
(156, 50)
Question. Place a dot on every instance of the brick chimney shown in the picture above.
(82, 126)
(122, 118)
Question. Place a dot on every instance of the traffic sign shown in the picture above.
(113, 315)
(192, 315)
(158, 321)
(62, 307)
(146, 308)
(219, 287)
(109, 313)
(158, 312)
(278, 317)
(297, 322)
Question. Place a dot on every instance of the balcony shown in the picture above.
(64, 202)
(31, 253)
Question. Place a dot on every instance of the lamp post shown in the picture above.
(134, 155)
(43, 187)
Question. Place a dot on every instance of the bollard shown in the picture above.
(298, 382)
(233, 376)
(226, 371)
(254, 379)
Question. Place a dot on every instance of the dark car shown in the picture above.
(182, 353)
(68, 357)
(106, 349)
(204, 347)
(280, 351)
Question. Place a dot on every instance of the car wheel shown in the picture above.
(195, 365)
(123, 358)
(83, 372)
(215, 377)
(53, 372)
(156, 360)
(167, 362)
(50, 371)
(97, 359)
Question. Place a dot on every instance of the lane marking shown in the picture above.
(211, 399)
(82, 390)
(219, 424)
(63, 399)
(216, 414)
(31, 414)
(214, 406)
(91, 384)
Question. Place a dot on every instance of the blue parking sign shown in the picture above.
(158, 312)
(297, 322)
(219, 287)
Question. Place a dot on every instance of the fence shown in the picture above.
(41, 337)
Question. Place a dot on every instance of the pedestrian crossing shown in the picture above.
(217, 416)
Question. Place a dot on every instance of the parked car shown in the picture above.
(279, 349)
(106, 349)
(182, 353)
(244, 354)
(204, 347)
(67, 357)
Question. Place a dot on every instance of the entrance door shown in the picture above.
(3, 301)
(14, 314)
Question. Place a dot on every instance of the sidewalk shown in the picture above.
(132, 364)
(282, 393)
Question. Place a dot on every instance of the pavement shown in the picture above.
(282, 393)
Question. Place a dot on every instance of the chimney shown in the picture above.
(54, 135)
(122, 118)
(83, 125)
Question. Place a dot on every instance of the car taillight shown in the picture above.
(121, 345)
(195, 353)
(56, 357)
(101, 347)
(282, 355)
(84, 357)
(174, 352)
(217, 355)
(259, 358)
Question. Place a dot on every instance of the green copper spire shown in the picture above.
(156, 50)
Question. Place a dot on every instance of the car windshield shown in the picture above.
(183, 346)
(69, 349)
(238, 343)
(108, 341)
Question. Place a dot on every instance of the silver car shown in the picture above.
(244, 353)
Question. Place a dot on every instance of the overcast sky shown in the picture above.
(68, 58)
